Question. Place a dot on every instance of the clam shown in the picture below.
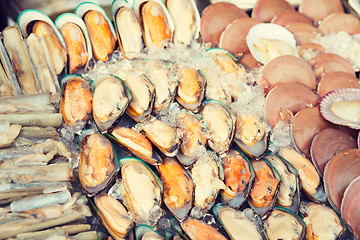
(162, 135)
(141, 191)
(340, 22)
(238, 177)
(113, 215)
(239, 225)
(319, 9)
(322, 222)
(265, 189)
(283, 223)
(193, 138)
(98, 163)
(265, 10)
(197, 229)
(289, 17)
(342, 107)
(101, 31)
(33, 21)
(309, 178)
(303, 32)
(110, 100)
(77, 40)
(221, 123)
(250, 135)
(143, 95)
(178, 188)
(289, 192)
(128, 28)
(186, 19)
(336, 80)
(268, 40)
(76, 103)
(136, 143)
(191, 89)
(155, 21)
(145, 232)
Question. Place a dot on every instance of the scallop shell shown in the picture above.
(345, 94)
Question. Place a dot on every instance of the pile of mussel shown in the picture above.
(175, 117)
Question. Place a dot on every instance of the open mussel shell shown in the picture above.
(98, 163)
(289, 192)
(79, 46)
(326, 144)
(238, 177)
(141, 191)
(238, 224)
(113, 216)
(111, 98)
(265, 188)
(350, 206)
(101, 31)
(322, 221)
(178, 188)
(251, 136)
(310, 180)
(339, 172)
(156, 22)
(145, 232)
(221, 122)
(197, 229)
(342, 107)
(127, 27)
(136, 143)
(76, 101)
(283, 222)
(268, 40)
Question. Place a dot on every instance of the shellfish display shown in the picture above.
(179, 121)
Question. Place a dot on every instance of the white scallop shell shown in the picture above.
(336, 96)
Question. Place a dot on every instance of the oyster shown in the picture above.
(284, 224)
(76, 103)
(141, 190)
(136, 143)
(193, 138)
(162, 135)
(77, 40)
(322, 222)
(98, 163)
(239, 177)
(113, 215)
(101, 31)
(128, 28)
(221, 123)
(197, 229)
(178, 188)
(110, 100)
(191, 88)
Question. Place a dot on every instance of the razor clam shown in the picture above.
(77, 40)
(140, 190)
(101, 31)
(284, 224)
(191, 89)
(127, 27)
(178, 188)
(186, 19)
(155, 21)
(238, 177)
(250, 135)
(98, 163)
(8, 133)
(113, 215)
(239, 225)
(20, 60)
(265, 189)
(110, 100)
(162, 135)
(193, 138)
(76, 103)
(5, 87)
(165, 85)
(221, 123)
(143, 95)
(136, 143)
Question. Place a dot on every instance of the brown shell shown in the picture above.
(303, 32)
(319, 9)
(288, 17)
(336, 80)
(340, 22)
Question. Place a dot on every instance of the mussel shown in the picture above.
(197, 229)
